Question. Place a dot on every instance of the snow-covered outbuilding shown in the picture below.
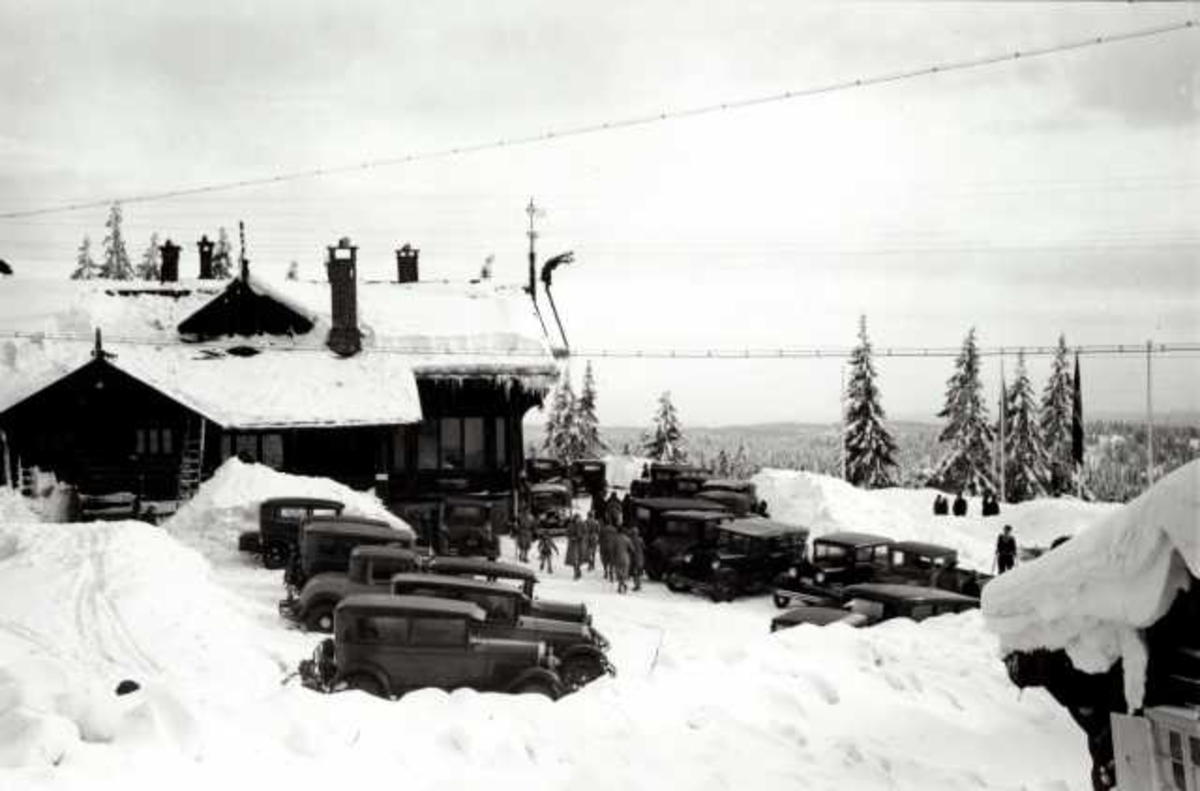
(416, 388)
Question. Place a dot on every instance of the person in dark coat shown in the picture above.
(637, 558)
(1006, 550)
(546, 550)
(621, 550)
(960, 505)
(524, 536)
(613, 510)
(628, 517)
(591, 542)
(574, 557)
(608, 535)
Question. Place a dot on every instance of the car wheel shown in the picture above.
(364, 682)
(537, 687)
(579, 671)
(676, 584)
(319, 618)
(276, 556)
(782, 601)
(722, 591)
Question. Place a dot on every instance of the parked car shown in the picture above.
(551, 504)
(649, 512)
(746, 557)
(676, 480)
(542, 469)
(279, 522)
(678, 532)
(370, 570)
(836, 560)
(579, 648)
(740, 497)
(589, 476)
(526, 579)
(922, 563)
(389, 645)
(871, 603)
(469, 527)
(326, 544)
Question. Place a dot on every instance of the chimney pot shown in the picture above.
(206, 257)
(344, 336)
(406, 264)
(168, 272)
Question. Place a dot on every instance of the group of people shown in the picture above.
(606, 532)
(942, 506)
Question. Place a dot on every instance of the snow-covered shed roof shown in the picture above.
(1093, 594)
(426, 330)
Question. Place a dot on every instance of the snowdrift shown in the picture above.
(1091, 595)
(825, 505)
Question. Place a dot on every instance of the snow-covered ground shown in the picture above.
(705, 698)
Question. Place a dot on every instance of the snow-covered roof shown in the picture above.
(426, 330)
(1092, 594)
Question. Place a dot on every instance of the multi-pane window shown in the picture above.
(154, 441)
(263, 448)
(456, 443)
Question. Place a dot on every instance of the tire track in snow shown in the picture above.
(104, 602)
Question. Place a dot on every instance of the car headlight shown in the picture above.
(716, 564)
(687, 558)
(820, 576)
(792, 572)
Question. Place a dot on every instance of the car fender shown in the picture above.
(306, 603)
(589, 652)
(539, 674)
(369, 669)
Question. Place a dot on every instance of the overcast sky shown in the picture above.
(1049, 195)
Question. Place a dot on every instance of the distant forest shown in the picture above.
(1115, 455)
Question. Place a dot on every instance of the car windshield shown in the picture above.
(735, 543)
(870, 554)
(871, 609)
(497, 606)
(682, 528)
(547, 500)
(829, 552)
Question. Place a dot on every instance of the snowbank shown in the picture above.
(1091, 595)
(14, 507)
(825, 504)
(621, 470)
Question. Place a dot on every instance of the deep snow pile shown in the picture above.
(825, 504)
(1092, 594)
(706, 697)
(14, 507)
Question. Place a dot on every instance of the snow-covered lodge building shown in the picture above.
(415, 388)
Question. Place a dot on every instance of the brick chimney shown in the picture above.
(206, 257)
(168, 271)
(406, 264)
(344, 337)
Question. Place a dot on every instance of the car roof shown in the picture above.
(677, 504)
(304, 502)
(383, 551)
(458, 583)
(383, 603)
(758, 527)
(354, 526)
(924, 548)
(852, 538)
(895, 592)
(469, 565)
(710, 515)
(818, 616)
(549, 486)
(731, 484)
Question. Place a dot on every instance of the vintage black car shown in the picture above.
(524, 577)
(578, 647)
(746, 557)
(551, 505)
(678, 532)
(871, 603)
(648, 512)
(740, 497)
(933, 565)
(326, 544)
(836, 560)
(589, 476)
(279, 521)
(541, 469)
(388, 645)
(370, 570)
(469, 527)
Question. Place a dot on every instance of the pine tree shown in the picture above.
(740, 467)
(722, 468)
(666, 441)
(587, 425)
(1026, 465)
(116, 264)
(967, 464)
(222, 263)
(85, 267)
(151, 264)
(1056, 420)
(869, 447)
(562, 434)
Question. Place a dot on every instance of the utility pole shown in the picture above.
(533, 212)
(1149, 417)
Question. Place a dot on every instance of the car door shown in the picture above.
(441, 656)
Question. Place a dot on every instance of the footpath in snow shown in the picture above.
(705, 698)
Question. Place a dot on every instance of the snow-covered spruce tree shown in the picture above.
(151, 263)
(1057, 399)
(869, 447)
(967, 463)
(665, 440)
(562, 434)
(1026, 468)
(85, 267)
(740, 468)
(587, 425)
(721, 465)
(222, 263)
(116, 264)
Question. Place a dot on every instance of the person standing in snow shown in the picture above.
(524, 536)
(1006, 550)
(621, 549)
(612, 510)
(637, 558)
(546, 550)
(607, 539)
(575, 544)
(591, 542)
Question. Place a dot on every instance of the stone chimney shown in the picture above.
(342, 266)
(206, 257)
(406, 264)
(168, 271)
